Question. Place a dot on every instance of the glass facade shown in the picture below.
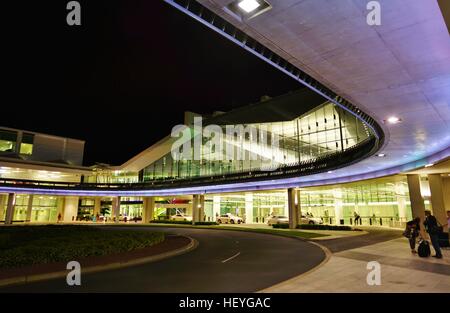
(325, 130)
(253, 207)
(43, 208)
(378, 202)
(10, 140)
(112, 177)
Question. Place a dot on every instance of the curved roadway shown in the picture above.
(224, 261)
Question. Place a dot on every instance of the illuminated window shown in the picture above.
(26, 147)
(8, 141)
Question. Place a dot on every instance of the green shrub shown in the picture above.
(30, 245)
(323, 227)
(283, 225)
(170, 222)
(206, 223)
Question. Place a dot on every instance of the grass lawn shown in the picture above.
(28, 245)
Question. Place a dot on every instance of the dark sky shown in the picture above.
(123, 79)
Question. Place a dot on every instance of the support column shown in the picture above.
(437, 198)
(116, 209)
(415, 196)
(292, 207)
(298, 203)
(2, 206)
(97, 206)
(338, 206)
(249, 207)
(446, 185)
(60, 208)
(29, 208)
(198, 205)
(10, 208)
(216, 207)
(70, 208)
(401, 202)
(148, 210)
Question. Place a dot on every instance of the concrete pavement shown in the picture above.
(401, 271)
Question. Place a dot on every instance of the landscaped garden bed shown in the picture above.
(29, 245)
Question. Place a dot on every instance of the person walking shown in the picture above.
(432, 228)
(357, 217)
(412, 232)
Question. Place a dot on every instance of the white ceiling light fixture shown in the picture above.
(249, 5)
(381, 155)
(393, 120)
(429, 165)
(247, 9)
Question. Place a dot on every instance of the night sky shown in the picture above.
(123, 79)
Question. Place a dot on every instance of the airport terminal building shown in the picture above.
(354, 141)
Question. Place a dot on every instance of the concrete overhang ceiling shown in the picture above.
(399, 68)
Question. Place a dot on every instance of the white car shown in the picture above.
(181, 217)
(229, 218)
(311, 220)
(277, 219)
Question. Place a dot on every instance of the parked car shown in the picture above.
(309, 219)
(277, 219)
(229, 218)
(181, 217)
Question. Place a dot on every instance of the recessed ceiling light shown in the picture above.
(329, 172)
(381, 155)
(393, 120)
(429, 165)
(247, 9)
(249, 5)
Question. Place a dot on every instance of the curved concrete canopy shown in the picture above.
(400, 68)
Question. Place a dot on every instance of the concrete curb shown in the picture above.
(331, 237)
(193, 244)
(328, 255)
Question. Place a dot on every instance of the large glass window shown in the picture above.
(325, 130)
(26, 147)
(381, 202)
(44, 209)
(8, 140)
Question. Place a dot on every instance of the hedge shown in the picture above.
(283, 225)
(170, 222)
(182, 222)
(324, 227)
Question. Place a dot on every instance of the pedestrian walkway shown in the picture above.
(401, 271)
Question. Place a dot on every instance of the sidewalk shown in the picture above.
(400, 271)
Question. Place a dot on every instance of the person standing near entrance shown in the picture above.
(432, 228)
(357, 217)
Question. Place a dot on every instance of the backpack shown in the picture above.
(424, 249)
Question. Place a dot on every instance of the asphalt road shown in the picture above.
(225, 261)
